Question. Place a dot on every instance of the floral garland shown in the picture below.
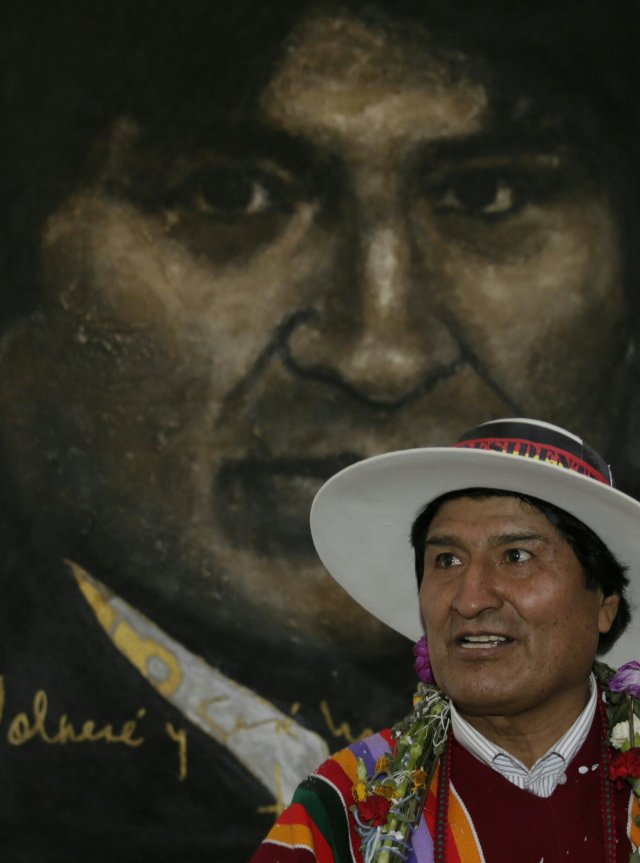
(389, 803)
(621, 693)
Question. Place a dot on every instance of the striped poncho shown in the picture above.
(319, 826)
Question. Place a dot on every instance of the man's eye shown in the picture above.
(518, 555)
(447, 560)
(227, 193)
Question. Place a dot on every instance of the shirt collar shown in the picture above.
(549, 771)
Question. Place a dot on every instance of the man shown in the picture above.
(523, 553)
(256, 233)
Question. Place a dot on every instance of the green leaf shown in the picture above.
(602, 671)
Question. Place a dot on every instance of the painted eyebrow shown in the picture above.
(244, 139)
(501, 144)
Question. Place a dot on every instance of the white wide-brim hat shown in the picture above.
(361, 518)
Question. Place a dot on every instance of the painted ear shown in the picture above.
(608, 611)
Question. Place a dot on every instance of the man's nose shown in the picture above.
(375, 327)
(478, 590)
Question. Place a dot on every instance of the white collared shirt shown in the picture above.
(549, 771)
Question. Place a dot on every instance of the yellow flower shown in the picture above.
(387, 790)
(359, 792)
(361, 770)
(419, 779)
(382, 765)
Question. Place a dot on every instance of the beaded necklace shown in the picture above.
(606, 796)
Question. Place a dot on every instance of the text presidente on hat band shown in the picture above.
(541, 442)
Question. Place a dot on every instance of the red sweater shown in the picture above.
(515, 825)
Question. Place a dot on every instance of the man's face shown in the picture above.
(375, 261)
(511, 627)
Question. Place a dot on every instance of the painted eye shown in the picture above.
(518, 555)
(480, 194)
(492, 190)
(233, 192)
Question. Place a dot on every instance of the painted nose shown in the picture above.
(375, 330)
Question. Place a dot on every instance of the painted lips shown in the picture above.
(245, 489)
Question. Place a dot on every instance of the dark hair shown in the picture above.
(601, 569)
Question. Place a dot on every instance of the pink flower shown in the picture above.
(422, 664)
(626, 679)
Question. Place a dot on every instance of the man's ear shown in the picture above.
(608, 611)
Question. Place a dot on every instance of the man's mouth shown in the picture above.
(478, 642)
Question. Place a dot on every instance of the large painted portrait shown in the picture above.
(246, 245)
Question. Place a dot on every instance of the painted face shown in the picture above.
(512, 629)
(375, 261)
